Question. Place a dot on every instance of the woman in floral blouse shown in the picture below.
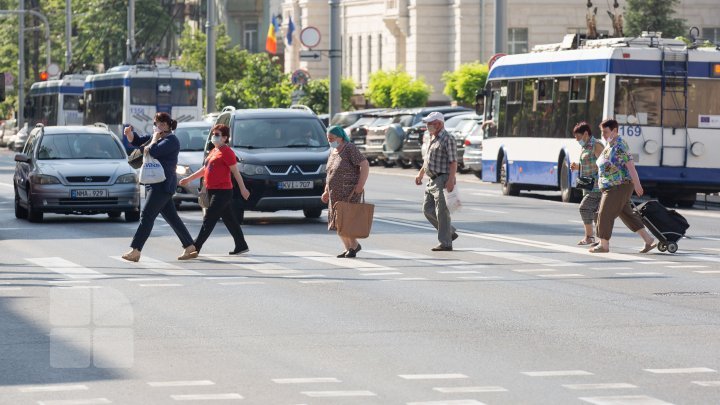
(587, 167)
(617, 179)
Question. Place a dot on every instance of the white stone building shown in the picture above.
(429, 37)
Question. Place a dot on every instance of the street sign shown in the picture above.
(314, 56)
(310, 37)
(300, 77)
(53, 69)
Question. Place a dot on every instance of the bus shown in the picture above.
(133, 94)
(662, 92)
(55, 102)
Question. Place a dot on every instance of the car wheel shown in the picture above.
(33, 215)
(404, 163)
(478, 174)
(132, 216)
(312, 212)
(20, 212)
(114, 214)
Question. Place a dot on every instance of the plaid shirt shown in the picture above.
(441, 152)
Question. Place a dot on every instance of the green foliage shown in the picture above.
(653, 15)
(396, 88)
(462, 84)
(317, 94)
(262, 85)
(229, 60)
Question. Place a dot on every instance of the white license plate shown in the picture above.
(91, 193)
(294, 185)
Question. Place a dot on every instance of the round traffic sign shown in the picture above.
(53, 69)
(310, 37)
(300, 77)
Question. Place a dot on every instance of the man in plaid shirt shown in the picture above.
(440, 165)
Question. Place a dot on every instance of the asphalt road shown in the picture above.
(517, 314)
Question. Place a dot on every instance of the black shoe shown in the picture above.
(353, 252)
(441, 248)
(342, 254)
(454, 235)
(239, 251)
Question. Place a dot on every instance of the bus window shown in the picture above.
(71, 102)
(596, 98)
(560, 110)
(702, 100)
(638, 97)
(514, 108)
(143, 91)
(184, 92)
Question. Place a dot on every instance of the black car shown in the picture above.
(282, 156)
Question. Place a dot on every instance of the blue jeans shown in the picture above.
(159, 202)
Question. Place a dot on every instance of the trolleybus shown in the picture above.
(55, 102)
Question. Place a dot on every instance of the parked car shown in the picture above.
(357, 131)
(282, 157)
(402, 139)
(347, 119)
(472, 157)
(459, 127)
(192, 136)
(20, 138)
(74, 170)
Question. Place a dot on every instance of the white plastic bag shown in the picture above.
(452, 199)
(151, 171)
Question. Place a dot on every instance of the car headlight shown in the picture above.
(182, 170)
(251, 170)
(126, 179)
(44, 179)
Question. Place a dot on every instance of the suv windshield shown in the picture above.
(79, 146)
(345, 120)
(192, 139)
(279, 133)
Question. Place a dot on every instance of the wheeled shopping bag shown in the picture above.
(668, 226)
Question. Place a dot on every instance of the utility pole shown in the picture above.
(500, 26)
(68, 34)
(335, 58)
(130, 50)
(210, 58)
(21, 65)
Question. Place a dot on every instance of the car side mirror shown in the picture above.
(22, 158)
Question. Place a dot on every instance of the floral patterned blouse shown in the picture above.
(588, 163)
(612, 164)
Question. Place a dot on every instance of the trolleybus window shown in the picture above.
(143, 91)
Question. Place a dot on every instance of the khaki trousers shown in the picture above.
(615, 202)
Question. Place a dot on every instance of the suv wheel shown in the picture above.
(20, 212)
(312, 212)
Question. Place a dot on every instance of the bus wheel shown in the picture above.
(568, 193)
(507, 187)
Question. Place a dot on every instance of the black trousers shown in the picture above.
(221, 207)
(158, 202)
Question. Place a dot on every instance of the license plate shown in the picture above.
(92, 193)
(294, 185)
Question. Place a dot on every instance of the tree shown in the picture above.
(461, 84)
(262, 85)
(317, 94)
(396, 88)
(653, 15)
(229, 61)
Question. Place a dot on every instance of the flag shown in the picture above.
(290, 30)
(271, 41)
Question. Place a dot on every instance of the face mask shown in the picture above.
(582, 142)
(155, 128)
(216, 140)
(334, 144)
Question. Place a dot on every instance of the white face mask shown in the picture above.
(334, 144)
(155, 128)
(216, 140)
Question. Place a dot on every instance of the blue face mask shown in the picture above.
(334, 144)
(582, 142)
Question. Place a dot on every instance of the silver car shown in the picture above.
(192, 136)
(74, 170)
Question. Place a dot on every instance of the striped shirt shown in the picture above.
(442, 151)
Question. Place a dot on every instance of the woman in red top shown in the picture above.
(219, 165)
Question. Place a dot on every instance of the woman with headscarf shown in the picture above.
(347, 172)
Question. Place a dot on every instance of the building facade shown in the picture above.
(429, 37)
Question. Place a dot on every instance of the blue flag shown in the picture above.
(290, 30)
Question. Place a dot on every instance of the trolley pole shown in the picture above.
(210, 58)
(335, 58)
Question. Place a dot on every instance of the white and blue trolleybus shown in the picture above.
(662, 92)
(133, 94)
(55, 102)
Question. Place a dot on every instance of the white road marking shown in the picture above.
(159, 266)
(161, 285)
(305, 276)
(556, 373)
(482, 194)
(562, 275)
(647, 273)
(225, 278)
(706, 258)
(599, 386)
(6, 185)
(449, 390)
(189, 383)
(337, 394)
(479, 277)
(653, 263)
(450, 402)
(459, 272)
(242, 283)
(411, 279)
(486, 210)
(148, 279)
(705, 238)
(88, 401)
(340, 262)
(687, 266)
(54, 388)
(311, 380)
(691, 370)
(611, 268)
(420, 258)
(707, 271)
(522, 257)
(533, 270)
(391, 273)
(253, 264)
(68, 281)
(79, 287)
(206, 397)
(319, 281)
(66, 267)
(10, 288)
(624, 400)
(707, 383)
(432, 376)
(713, 249)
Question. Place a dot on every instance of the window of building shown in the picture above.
(711, 34)
(250, 36)
(517, 40)
(349, 56)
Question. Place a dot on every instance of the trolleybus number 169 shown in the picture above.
(630, 130)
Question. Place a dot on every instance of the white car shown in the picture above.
(192, 136)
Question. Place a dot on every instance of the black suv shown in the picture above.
(282, 155)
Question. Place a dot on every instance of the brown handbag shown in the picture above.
(354, 220)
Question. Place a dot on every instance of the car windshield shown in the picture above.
(451, 122)
(192, 138)
(405, 120)
(345, 120)
(279, 133)
(364, 121)
(79, 146)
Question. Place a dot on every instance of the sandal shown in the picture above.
(648, 247)
(599, 249)
(589, 240)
